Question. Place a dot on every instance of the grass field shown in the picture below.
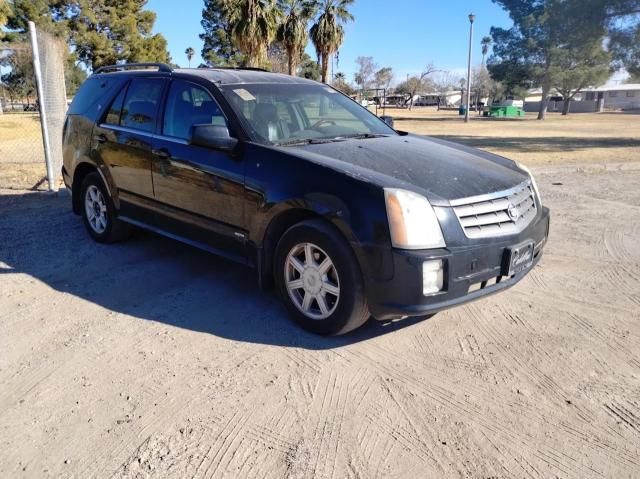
(21, 151)
(577, 138)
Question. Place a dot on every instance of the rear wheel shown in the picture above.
(319, 279)
(99, 213)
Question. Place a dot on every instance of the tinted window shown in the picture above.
(188, 105)
(141, 104)
(113, 115)
(91, 90)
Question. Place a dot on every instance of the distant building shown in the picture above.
(624, 97)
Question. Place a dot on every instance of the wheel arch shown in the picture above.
(285, 216)
(79, 174)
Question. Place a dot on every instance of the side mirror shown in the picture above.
(388, 120)
(213, 136)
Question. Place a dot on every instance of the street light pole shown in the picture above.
(472, 17)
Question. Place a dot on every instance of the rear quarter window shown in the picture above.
(93, 94)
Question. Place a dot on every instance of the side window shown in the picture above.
(113, 115)
(89, 93)
(187, 105)
(141, 104)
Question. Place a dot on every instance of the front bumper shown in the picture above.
(470, 272)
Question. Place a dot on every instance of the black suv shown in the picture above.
(349, 217)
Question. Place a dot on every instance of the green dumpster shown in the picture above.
(498, 111)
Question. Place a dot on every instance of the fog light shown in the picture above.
(432, 276)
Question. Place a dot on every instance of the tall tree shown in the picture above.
(309, 68)
(327, 33)
(253, 26)
(366, 71)
(218, 49)
(579, 67)
(485, 43)
(189, 52)
(74, 75)
(622, 21)
(19, 81)
(101, 32)
(292, 32)
(542, 32)
(625, 45)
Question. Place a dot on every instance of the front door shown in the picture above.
(201, 186)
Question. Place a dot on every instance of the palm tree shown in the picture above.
(340, 77)
(486, 43)
(189, 52)
(327, 33)
(253, 26)
(293, 31)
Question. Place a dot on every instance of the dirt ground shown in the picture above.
(151, 359)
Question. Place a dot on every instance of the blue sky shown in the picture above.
(403, 34)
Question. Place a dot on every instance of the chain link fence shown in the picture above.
(23, 111)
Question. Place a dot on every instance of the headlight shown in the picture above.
(533, 180)
(412, 221)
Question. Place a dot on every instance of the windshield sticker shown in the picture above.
(244, 94)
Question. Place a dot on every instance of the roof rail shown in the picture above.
(255, 69)
(162, 67)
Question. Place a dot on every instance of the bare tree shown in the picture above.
(429, 70)
(366, 71)
(383, 77)
(444, 82)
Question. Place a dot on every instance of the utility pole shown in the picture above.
(472, 17)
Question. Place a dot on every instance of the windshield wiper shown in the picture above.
(309, 141)
(364, 136)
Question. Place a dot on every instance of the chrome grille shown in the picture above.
(498, 214)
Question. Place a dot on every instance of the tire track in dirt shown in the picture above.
(619, 350)
(586, 417)
(624, 415)
(443, 394)
(614, 240)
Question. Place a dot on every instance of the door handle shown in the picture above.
(162, 153)
(100, 138)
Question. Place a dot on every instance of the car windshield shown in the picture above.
(288, 114)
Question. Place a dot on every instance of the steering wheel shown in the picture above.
(321, 122)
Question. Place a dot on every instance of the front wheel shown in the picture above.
(319, 279)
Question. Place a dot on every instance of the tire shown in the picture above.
(98, 212)
(336, 285)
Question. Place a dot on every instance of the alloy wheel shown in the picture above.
(312, 281)
(95, 207)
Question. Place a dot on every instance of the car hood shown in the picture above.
(439, 169)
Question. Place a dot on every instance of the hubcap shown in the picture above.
(96, 209)
(312, 281)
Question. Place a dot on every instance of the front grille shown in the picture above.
(498, 214)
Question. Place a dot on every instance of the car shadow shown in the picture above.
(150, 277)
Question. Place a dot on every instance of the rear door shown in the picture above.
(201, 186)
(124, 139)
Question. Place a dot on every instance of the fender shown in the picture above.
(314, 204)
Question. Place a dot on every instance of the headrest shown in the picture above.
(266, 112)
